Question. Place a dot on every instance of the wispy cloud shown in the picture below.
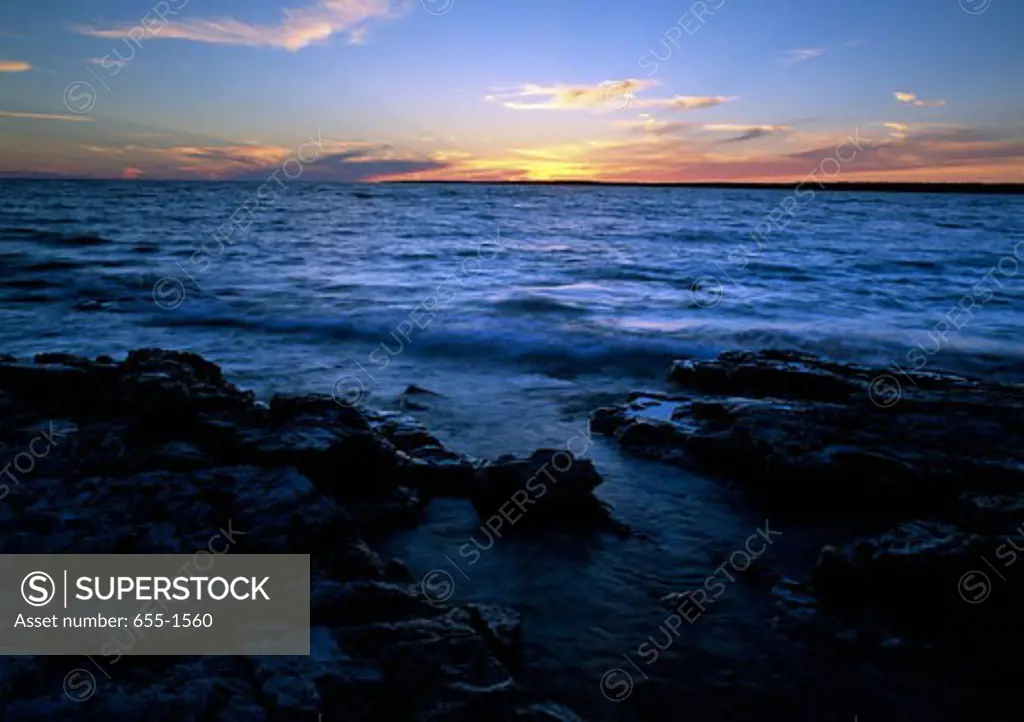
(14, 66)
(742, 131)
(746, 132)
(686, 102)
(340, 160)
(792, 57)
(300, 27)
(44, 116)
(911, 99)
(650, 124)
(609, 95)
(899, 130)
(570, 97)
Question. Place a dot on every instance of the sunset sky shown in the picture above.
(649, 90)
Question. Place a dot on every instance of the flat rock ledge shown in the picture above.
(935, 460)
(159, 453)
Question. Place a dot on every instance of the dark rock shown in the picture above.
(160, 454)
(413, 389)
(769, 373)
(401, 509)
(814, 436)
(991, 513)
(321, 410)
(502, 628)
(438, 472)
(63, 359)
(551, 489)
(913, 567)
(338, 604)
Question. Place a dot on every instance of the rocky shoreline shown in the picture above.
(935, 458)
(159, 453)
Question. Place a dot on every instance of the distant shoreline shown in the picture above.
(973, 188)
(871, 186)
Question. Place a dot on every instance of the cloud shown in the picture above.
(936, 149)
(686, 102)
(899, 130)
(613, 95)
(911, 99)
(300, 27)
(792, 57)
(932, 153)
(650, 125)
(14, 66)
(335, 160)
(571, 97)
(746, 132)
(45, 116)
(357, 36)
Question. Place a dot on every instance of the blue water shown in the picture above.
(536, 305)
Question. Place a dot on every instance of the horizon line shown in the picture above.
(994, 187)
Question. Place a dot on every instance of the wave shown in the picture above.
(30, 283)
(55, 265)
(577, 348)
(519, 305)
(52, 238)
(24, 232)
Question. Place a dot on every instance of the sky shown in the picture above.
(603, 90)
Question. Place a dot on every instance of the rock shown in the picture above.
(438, 472)
(911, 568)
(413, 390)
(401, 509)
(769, 373)
(501, 628)
(320, 410)
(161, 454)
(551, 489)
(64, 359)
(810, 435)
(337, 604)
(435, 665)
(991, 513)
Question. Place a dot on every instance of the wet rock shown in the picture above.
(551, 489)
(435, 666)
(64, 359)
(338, 604)
(161, 454)
(320, 410)
(502, 628)
(991, 513)
(815, 436)
(401, 509)
(769, 373)
(913, 567)
(414, 390)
